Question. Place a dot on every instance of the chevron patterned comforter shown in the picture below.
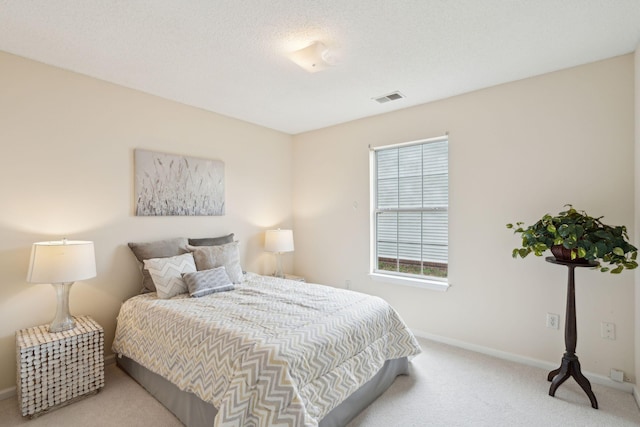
(272, 352)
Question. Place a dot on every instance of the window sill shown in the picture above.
(433, 285)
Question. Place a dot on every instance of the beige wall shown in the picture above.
(67, 170)
(517, 151)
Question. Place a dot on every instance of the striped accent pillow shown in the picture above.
(207, 282)
(167, 273)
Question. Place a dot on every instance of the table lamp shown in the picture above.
(278, 241)
(61, 263)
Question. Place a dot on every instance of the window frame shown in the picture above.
(425, 282)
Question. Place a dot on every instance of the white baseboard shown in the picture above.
(8, 393)
(594, 378)
(109, 360)
(636, 395)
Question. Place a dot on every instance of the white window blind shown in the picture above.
(410, 214)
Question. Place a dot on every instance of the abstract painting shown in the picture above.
(170, 185)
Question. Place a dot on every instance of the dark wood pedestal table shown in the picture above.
(570, 366)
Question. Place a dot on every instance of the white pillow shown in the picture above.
(166, 273)
(207, 282)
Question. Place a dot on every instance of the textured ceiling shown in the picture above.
(230, 56)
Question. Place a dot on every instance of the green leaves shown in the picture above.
(587, 237)
(582, 252)
(523, 252)
(563, 230)
(518, 224)
(618, 269)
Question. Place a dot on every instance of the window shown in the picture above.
(410, 199)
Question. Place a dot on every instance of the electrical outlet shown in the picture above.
(608, 330)
(347, 284)
(553, 321)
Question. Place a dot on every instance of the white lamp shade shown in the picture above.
(278, 241)
(62, 261)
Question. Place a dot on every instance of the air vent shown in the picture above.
(389, 97)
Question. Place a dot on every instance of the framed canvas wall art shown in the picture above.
(170, 185)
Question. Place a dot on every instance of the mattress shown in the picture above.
(271, 352)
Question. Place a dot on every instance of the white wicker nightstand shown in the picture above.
(55, 369)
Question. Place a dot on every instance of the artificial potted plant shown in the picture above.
(574, 236)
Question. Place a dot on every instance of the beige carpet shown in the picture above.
(447, 387)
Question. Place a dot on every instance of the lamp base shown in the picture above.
(279, 273)
(63, 320)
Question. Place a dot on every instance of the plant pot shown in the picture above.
(563, 254)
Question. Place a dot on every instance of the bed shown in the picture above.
(271, 352)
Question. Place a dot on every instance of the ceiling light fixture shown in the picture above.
(313, 58)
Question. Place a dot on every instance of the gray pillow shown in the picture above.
(207, 282)
(212, 241)
(158, 249)
(208, 257)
